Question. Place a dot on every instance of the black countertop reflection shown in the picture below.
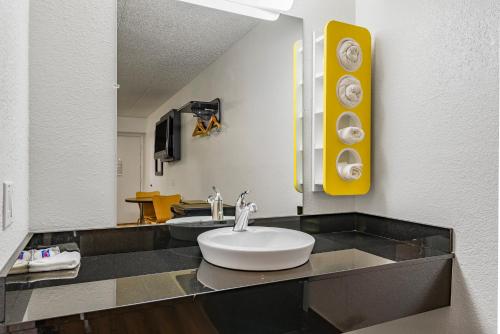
(154, 267)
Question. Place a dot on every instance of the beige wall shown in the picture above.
(14, 119)
(73, 114)
(435, 142)
(131, 124)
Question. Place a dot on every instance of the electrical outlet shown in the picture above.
(8, 204)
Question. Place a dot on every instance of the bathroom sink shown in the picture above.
(257, 249)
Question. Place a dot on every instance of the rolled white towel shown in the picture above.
(350, 172)
(349, 91)
(351, 135)
(62, 261)
(349, 54)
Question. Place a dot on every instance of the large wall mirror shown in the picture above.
(243, 130)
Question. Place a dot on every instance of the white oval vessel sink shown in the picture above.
(258, 248)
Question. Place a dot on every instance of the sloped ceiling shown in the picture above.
(164, 44)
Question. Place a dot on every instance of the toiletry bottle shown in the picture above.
(216, 204)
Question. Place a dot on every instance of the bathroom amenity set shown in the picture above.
(341, 161)
(54, 258)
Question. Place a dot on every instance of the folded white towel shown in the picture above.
(349, 91)
(350, 172)
(62, 261)
(351, 135)
(349, 54)
(44, 276)
(21, 264)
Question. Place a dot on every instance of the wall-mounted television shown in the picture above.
(168, 137)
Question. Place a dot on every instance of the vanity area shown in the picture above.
(363, 270)
(237, 174)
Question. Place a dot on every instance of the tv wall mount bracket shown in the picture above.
(208, 115)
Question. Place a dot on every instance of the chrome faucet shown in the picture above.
(243, 210)
(217, 205)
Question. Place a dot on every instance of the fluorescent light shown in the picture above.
(272, 5)
(236, 8)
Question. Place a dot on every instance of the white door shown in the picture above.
(129, 176)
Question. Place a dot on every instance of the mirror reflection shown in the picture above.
(209, 105)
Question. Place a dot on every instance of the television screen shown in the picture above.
(160, 137)
(168, 137)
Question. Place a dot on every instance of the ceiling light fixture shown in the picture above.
(262, 9)
(272, 5)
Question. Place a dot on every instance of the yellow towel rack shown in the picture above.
(341, 99)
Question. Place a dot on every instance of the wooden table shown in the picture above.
(140, 201)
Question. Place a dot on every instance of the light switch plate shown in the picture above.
(8, 204)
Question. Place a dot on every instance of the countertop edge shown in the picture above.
(319, 277)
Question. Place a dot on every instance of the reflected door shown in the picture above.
(129, 176)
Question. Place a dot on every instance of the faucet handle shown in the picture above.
(211, 199)
(215, 197)
(252, 207)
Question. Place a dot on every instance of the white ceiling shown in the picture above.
(164, 44)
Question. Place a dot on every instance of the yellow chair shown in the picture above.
(149, 210)
(162, 205)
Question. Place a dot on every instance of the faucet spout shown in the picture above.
(242, 212)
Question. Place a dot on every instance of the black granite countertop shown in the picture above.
(122, 267)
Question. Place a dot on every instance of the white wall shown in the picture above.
(254, 151)
(14, 118)
(316, 13)
(435, 142)
(73, 114)
(131, 124)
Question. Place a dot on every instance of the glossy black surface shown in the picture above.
(155, 237)
(341, 222)
(368, 298)
(111, 241)
(275, 308)
(420, 235)
(141, 257)
(270, 309)
(110, 266)
(118, 265)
